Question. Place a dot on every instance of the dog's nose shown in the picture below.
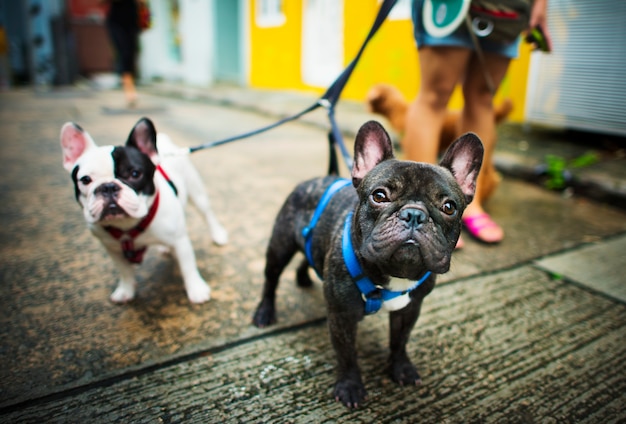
(413, 216)
(108, 189)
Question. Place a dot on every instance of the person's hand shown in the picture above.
(539, 19)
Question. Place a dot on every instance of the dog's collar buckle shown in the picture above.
(373, 295)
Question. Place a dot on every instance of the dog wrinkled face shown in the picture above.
(409, 215)
(113, 183)
(409, 218)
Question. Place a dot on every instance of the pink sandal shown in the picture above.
(477, 223)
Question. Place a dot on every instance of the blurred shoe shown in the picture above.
(483, 228)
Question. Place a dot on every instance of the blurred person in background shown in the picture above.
(446, 61)
(123, 25)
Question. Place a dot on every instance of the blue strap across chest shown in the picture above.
(307, 232)
(373, 295)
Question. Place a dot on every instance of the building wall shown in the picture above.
(391, 56)
(275, 48)
(160, 56)
(197, 46)
(179, 46)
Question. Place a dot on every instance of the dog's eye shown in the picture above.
(135, 174)
(379, 196)
(449, 208)
(86, 180)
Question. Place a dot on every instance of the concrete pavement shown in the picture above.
(532, 330)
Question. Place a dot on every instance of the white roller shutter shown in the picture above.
(582, 83)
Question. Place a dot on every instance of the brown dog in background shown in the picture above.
(388, 101)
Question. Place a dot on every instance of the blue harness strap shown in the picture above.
(307, 232)
(373, 295)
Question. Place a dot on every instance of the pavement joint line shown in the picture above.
(568, 280)
(532, 262)
(140, 370)
(576, 247)
(588, 289)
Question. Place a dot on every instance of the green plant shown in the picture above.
(557, 169)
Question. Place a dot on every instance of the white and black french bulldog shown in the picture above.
(377, 243)
(133, 196)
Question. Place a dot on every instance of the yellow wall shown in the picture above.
(275, 51)
(390, 56)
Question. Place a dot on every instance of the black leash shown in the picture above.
(327, 101)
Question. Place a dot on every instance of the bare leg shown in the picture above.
(441, 69)
(130, 92)
(478, 117)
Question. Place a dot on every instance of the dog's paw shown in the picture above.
(405, 373)
(265, 315)
(198, 291)
(219, 235)
(350, 392)
(122, 294)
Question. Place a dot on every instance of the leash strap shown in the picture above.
(328, 100)
(334, 91)
(307, 232)
(372, 295)
(167, 178)
(254, 132)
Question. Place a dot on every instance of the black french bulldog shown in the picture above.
(376, 245)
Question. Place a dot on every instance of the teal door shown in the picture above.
(228, 67)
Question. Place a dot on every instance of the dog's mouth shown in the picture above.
(406, 251)
(112, 211)
(402, 255)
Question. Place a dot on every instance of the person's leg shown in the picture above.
(130, 92)
(441, 69)
(478, 117)
(126, 45)
(129, 66)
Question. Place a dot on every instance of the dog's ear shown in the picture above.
(371, 147)
(143, 138)
(464, 158)
(74, 142)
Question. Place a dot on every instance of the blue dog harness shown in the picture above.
(372, 295)
(307, 232)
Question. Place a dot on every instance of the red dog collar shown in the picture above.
(127, 237)
(131, 254)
